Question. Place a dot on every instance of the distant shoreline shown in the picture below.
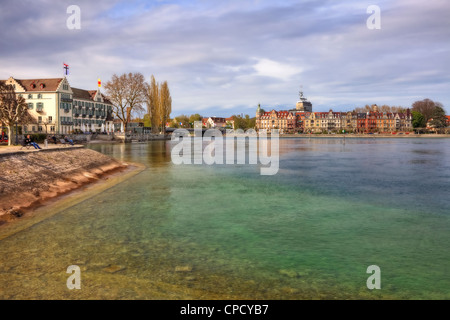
(353, 136)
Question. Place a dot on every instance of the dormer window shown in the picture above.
(42, 86)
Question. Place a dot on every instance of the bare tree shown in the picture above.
(127, 94)
(12, 108)
(426, 107)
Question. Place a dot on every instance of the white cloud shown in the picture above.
(269, 68)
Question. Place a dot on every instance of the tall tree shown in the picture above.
(127, 93)
(159, 105)
(418, 120)
(439, 118)
(425, 107)
(152, 100)
(165, 105)
(13, 109)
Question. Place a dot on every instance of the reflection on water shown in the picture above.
(207, 232)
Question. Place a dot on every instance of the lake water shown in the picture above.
(226, 232)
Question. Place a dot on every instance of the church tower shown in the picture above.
(258, 111)
(303, 105)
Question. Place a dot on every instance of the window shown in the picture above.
(39, 96)
(52, 128)
(40, 119)
(40, 128)
(30, 106)
(30, 96)
(39, 106)
(50, 119)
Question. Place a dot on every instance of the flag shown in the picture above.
(66, 68)
(99, 83)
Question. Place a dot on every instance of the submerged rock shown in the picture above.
(113, 268)
(183, 269)
(289, 273)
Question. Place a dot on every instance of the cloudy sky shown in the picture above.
(223, 57)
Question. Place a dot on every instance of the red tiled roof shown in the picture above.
(38, 85)
(81, 94)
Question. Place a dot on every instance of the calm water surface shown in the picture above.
(310, 232)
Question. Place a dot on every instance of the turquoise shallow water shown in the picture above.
(309, 232)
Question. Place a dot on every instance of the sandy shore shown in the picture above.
(28, 179)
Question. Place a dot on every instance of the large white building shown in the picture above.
(58, 108)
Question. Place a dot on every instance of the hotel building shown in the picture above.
(58, 108)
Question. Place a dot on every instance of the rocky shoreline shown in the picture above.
(29, 179)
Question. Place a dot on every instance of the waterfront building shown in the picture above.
(230, 122)
(90, 108)
(56, 107)
(215, 122)
(303, 105)
(287, 121)
(49, 103)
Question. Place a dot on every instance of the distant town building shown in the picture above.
(303, 105)
(230, 122)
(215, 122)
(302, 119)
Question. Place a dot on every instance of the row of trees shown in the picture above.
(244, 123)
(240, 122)
(184, 121)
(130, 92)
(383, 108)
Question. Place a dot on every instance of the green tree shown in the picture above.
(418, 120)
(182, 121)
(195, 117)
(244, 123)
(439, 118)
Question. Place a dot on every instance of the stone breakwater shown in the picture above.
(29, 179)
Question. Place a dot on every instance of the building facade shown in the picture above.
(56, 107)
(302, 119)
(90, 110)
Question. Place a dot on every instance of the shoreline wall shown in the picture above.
(29, 179)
